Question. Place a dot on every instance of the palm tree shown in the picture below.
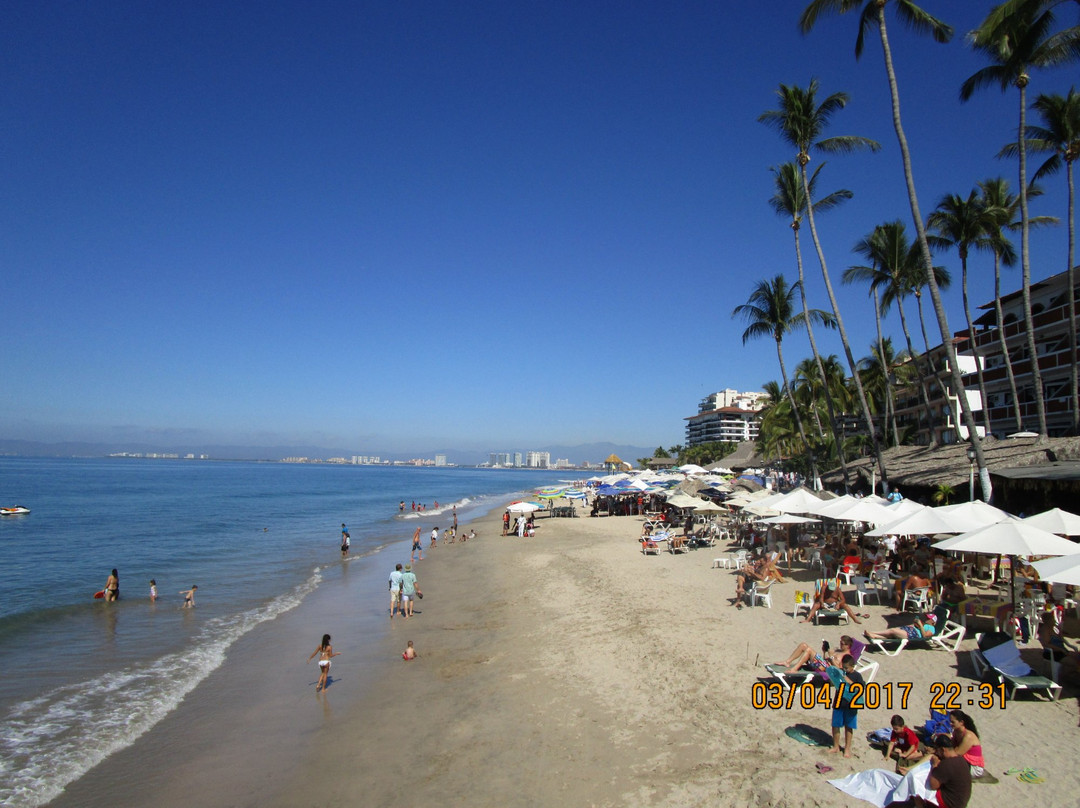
(1059, 134)
(1016, 36)
(963, 224)
(769, 311)
(1002, 205)
(921, 22)
(801, 121)
(878, 370)
(789, 201)
(894, 266)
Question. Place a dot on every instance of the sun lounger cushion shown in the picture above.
(1006, 659)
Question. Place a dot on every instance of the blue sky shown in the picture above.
(426, 224)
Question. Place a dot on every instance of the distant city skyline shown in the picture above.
(398, 227)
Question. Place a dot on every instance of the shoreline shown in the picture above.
(565, 669)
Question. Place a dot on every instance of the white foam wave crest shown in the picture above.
(52, 740)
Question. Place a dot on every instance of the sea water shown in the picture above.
(255, 537)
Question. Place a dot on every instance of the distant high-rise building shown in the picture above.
(538, 460)
(727, 416)
(440, 460)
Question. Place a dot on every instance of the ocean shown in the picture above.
(257, 538)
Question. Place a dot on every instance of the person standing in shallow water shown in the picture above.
(112, 586)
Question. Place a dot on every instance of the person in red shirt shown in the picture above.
(903, 744)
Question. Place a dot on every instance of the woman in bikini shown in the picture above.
(325, 652)
(112, 586)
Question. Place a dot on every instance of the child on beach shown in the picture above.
(434, 537)
(326, 652)
(153, 590)
(189, 597)
(409, 652)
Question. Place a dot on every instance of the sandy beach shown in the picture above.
(565, 669)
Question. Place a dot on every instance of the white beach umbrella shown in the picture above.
(788, 519)
(691, 468)
(523, 507)
(708, 506)
(1061, 570)
(1011, 537)
(862, 511)
(760, 509)
(1063, 523)
(828, 507)
(975, 514)
(905, 507)
(798, 501)
(926, 522)
(681, 500)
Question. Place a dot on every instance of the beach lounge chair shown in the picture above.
(1004, 660)
(947, 638)
(648, 546)
(805, 675)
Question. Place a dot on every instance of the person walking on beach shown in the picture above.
(521, 526)
(189, 597)
(416, 548)
(434, 537)
(112, 586)
(506, 523)
(325, 652)
(409, 590)
(395, 592)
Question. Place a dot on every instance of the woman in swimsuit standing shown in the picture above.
(112, 586)
(325, 652)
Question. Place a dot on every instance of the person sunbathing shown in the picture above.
(916, 631)
(832, 599)
(804, 655)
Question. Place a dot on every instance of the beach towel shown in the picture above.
(880, 787)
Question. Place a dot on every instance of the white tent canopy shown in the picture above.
(973, 514)
(788, 519)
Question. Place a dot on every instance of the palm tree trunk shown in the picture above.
(874, 442)
(820, 365)
(930, 421)
(1073, 387)
(890, 410)
(971, 342)
(795, 414)
(1025, 262)
(1004, 346)
(935, 292)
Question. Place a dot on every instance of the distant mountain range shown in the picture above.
(578, 455)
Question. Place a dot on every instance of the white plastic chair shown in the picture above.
(864, 590)
(803, 602)
(919, 598)
(760, 592)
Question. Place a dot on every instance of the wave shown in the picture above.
(50, 741)
(445, 507)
